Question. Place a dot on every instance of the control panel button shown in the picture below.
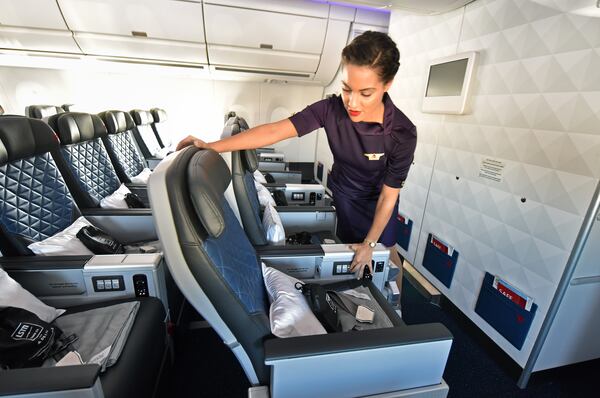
(100, 284)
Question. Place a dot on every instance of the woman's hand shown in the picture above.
(191, 140)
(363, 256)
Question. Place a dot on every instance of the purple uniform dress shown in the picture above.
(366, 156)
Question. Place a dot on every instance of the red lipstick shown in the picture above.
(353, 113)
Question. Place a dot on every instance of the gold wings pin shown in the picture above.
(373, 156)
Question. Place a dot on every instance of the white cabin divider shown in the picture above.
(535, 118)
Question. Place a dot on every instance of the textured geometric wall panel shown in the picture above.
(535, 108)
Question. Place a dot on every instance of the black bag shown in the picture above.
(269, 178)
(299, 238)
(26, 340)
(280, 199)
(134, 202)
(321, 305)
(98, 241)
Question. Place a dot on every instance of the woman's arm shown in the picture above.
(363, 253)
(256, 137)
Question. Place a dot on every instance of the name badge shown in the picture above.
(373, 156)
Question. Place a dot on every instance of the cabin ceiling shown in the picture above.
(418, 6)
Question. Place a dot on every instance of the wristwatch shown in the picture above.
(370, 243)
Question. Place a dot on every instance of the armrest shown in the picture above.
(43, 262)
(47, 380)
(287, 251)
(125, 225)
(358, 363)
(305, 209)
(332, 343)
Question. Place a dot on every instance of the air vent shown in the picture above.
(262, 72)
(136, 33)
(267, 46)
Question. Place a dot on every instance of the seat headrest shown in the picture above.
(22, 137)
(159, 115)
(74, 127)
(42, 111)
(141, 117)
(236, 125)
(208, 178)
(117, 121)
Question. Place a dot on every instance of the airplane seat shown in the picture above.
(90, 174)
(37, 199)
(159, 117)
(36, 204)
(145, 137)
(121, 145)
(216, 267)
(126, 378)
(319, 221)
(42, 111)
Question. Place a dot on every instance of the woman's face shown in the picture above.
(362, 92)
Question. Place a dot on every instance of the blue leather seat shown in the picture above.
(243, 165)
(144, 134)
(121, 144)
(90, 172)
(35, 202)
(217, 269)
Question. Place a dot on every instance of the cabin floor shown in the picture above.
(205, 367)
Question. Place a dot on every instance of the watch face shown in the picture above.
(372, 244)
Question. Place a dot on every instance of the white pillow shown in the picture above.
(12, 294)
(259, 177)
(264, 196)
(64, 243)
(289, 314)
(274, 231)
(116, 200)
(143, 177)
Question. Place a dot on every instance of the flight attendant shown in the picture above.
(372, 142)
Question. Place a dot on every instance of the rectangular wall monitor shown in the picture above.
(448, 84)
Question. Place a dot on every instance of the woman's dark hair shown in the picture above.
(376, 50)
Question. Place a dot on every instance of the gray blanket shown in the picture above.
(102, 332)
(351, 302)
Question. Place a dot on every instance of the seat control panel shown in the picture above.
(108, 283)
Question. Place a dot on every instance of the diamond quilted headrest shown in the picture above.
(23, 137)
(42, 111)
(117, 121)
(208, 178)
(159, 115)
(141, 117)
(74, 127)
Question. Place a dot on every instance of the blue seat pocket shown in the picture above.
(507, 317)
(440, 264)
(404, 232)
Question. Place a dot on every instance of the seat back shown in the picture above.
(35, 202)
(121, 144)
(42, 111)
(243, 165)
(144, 134)
(208, 253)
(91, 175)
(159, 117)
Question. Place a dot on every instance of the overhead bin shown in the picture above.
(263, 39)
(151, 29)
(35, 25)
